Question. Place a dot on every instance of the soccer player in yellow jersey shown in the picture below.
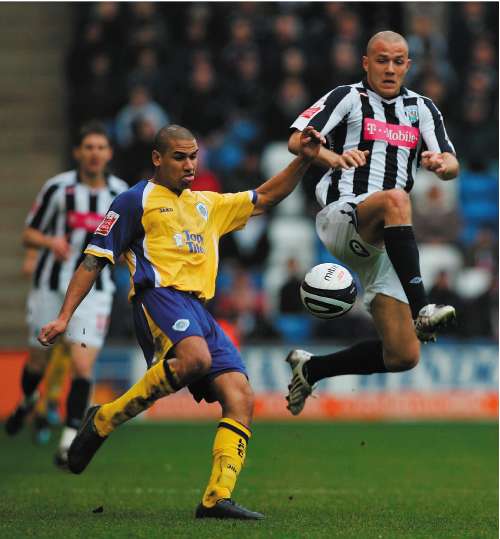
(169, 236)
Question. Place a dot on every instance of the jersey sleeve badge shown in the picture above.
(310, 112)
(107, 223)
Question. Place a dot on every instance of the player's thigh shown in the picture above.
(337, 226)
(193, 354)
(235, 395)
(82, 359)
(394, 324)
(89, 324)
(43, 306)
(370, 215)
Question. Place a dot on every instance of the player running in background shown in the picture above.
(169, 236)
(46, 414)
(379, 131)
(60, 225)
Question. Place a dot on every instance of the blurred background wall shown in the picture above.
(237, 75)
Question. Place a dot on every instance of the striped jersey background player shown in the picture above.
(68, 207)
(395, 131)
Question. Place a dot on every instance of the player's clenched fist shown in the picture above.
(49, 333)
(434, 162)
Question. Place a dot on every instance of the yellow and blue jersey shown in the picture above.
(170, 240)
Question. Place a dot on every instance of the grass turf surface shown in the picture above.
(312, 480)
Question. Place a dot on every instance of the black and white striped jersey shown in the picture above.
(68, 207)
(395, 131)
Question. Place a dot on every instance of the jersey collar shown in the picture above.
(106, 179)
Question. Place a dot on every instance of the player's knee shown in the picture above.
(239, 404)
(247, 397)
(200, 365)
(81, 368)
(402, 360)
(397, 203)
(38, 362)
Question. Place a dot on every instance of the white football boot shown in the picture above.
(431, 318)
(299, 388)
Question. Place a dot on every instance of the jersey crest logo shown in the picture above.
(411, 112)
(181, 325)
(107, 223)
(202, 210)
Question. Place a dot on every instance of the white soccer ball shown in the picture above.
(328, 291)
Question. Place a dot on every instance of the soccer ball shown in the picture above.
(328, 291)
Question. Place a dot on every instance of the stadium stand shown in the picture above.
(34, 133)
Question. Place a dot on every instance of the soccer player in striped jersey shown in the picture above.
(379, 132)
(169, 236)
(60, 225)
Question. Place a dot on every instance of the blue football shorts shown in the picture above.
(165, 316)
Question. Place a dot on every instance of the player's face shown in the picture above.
(386, 66)
(177, 166)
(93, 154)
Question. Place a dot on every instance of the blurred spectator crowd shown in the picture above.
(237, 75)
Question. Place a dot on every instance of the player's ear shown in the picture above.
(365, 63)
(156, 158)
(408, 64)
(76, 153)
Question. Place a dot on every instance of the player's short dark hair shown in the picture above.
(170, 132)
(93, 127)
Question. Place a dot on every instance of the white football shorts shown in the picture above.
(89, 324)
(336, 227)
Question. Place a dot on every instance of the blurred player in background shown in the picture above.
(169, 236)
(60, 224)
(380, 131)
(46, 414)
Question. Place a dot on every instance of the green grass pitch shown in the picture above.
(312, 480)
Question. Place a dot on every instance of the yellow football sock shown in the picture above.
(158, 381)
(229, 450)
(57, 369)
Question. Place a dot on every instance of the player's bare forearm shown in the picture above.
(452, 166)
(79, 286)
(444, 165)
(33, 238)
(328, 159)
(282, 184)
(324, 157)
(82, 281)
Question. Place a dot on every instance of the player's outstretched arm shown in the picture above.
(328, 159)
(445, 164)
(79, 286)
(282, 184)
